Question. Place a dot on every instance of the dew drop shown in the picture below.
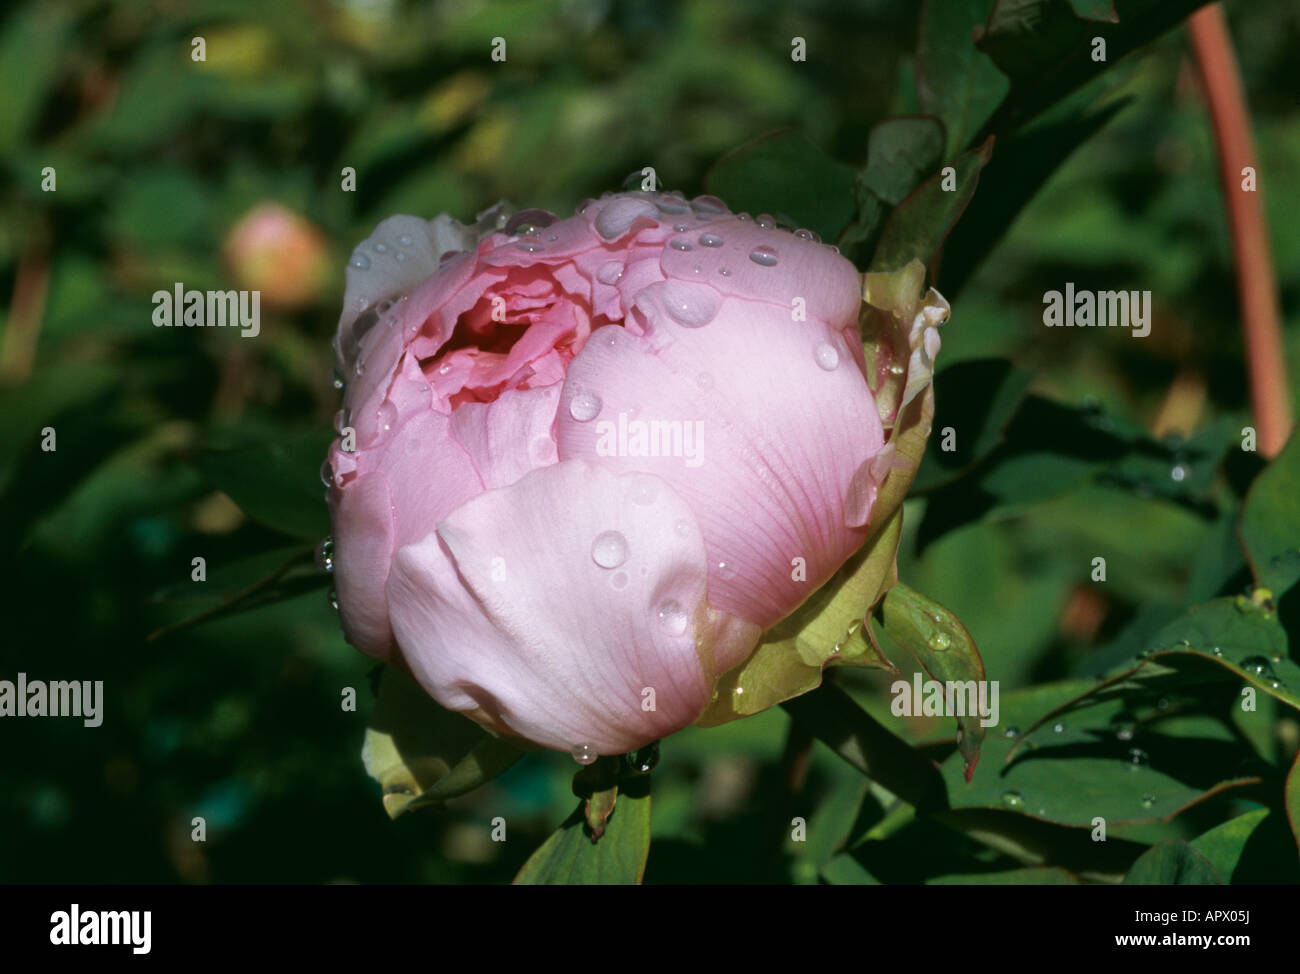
(724, 271)
(680, 244)
(381, 248)
(1012, 799)
(710, 240)
(1012, 731)
(405, 240)
(387, 415)
(939, 642)
(327, 474)
(360, 261)
(764, 256)
(690, 305)
(1138, 758)
(332, 598)
(529, 246)
(609, 550)
(583, 753)
(609, 272)
(1148, 800)
(400, 256)
(708, 204)
(617, 217)
(325, 554)
(807, 235)
(826, 357)
(765, 221)
(672, 618)
(1058, 727)
(585, 406)
(671, 205)
(336, 380)
(1258, 666)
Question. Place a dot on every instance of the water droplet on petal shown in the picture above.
(387, 415)
(826, 356)
(584, 753)
(681, 529)
(336, 380)
(690, 305)
(400, 256)
(585, 406)
(672, 618)
(332, 598)
(609, 272)
(765, 221)
(708, 204)
(764, 256)
(325, 554)
(939, 642)
(679, 244)
(381, 248)
(807, 235)
(710, 240)
(609, 550)
(725, 272)
(405, 240)
(327, 474)
(617, 217)
(1012, 799)
(360, 261)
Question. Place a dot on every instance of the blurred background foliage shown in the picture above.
(175, 444)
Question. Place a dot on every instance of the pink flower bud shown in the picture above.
(586, 462)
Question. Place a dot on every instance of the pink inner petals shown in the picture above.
(521, 333)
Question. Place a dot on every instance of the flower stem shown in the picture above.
(1256, 283)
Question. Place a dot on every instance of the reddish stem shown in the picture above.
(1256, 284)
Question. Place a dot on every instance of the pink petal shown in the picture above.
(507, 615)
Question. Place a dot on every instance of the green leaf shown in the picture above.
(785, 175)
(1172, 863)
(1223, 845)
(940, 643)
(918, 226)
(571, 857)
(276, 483)
(1024, 162)
(900, 153)
(1088, 769)
(423, 754)
(1270, 521)
(1046, 47)
(241, 586)
(835, 719)
(976, 399)
(955, 80)
(33, 47)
